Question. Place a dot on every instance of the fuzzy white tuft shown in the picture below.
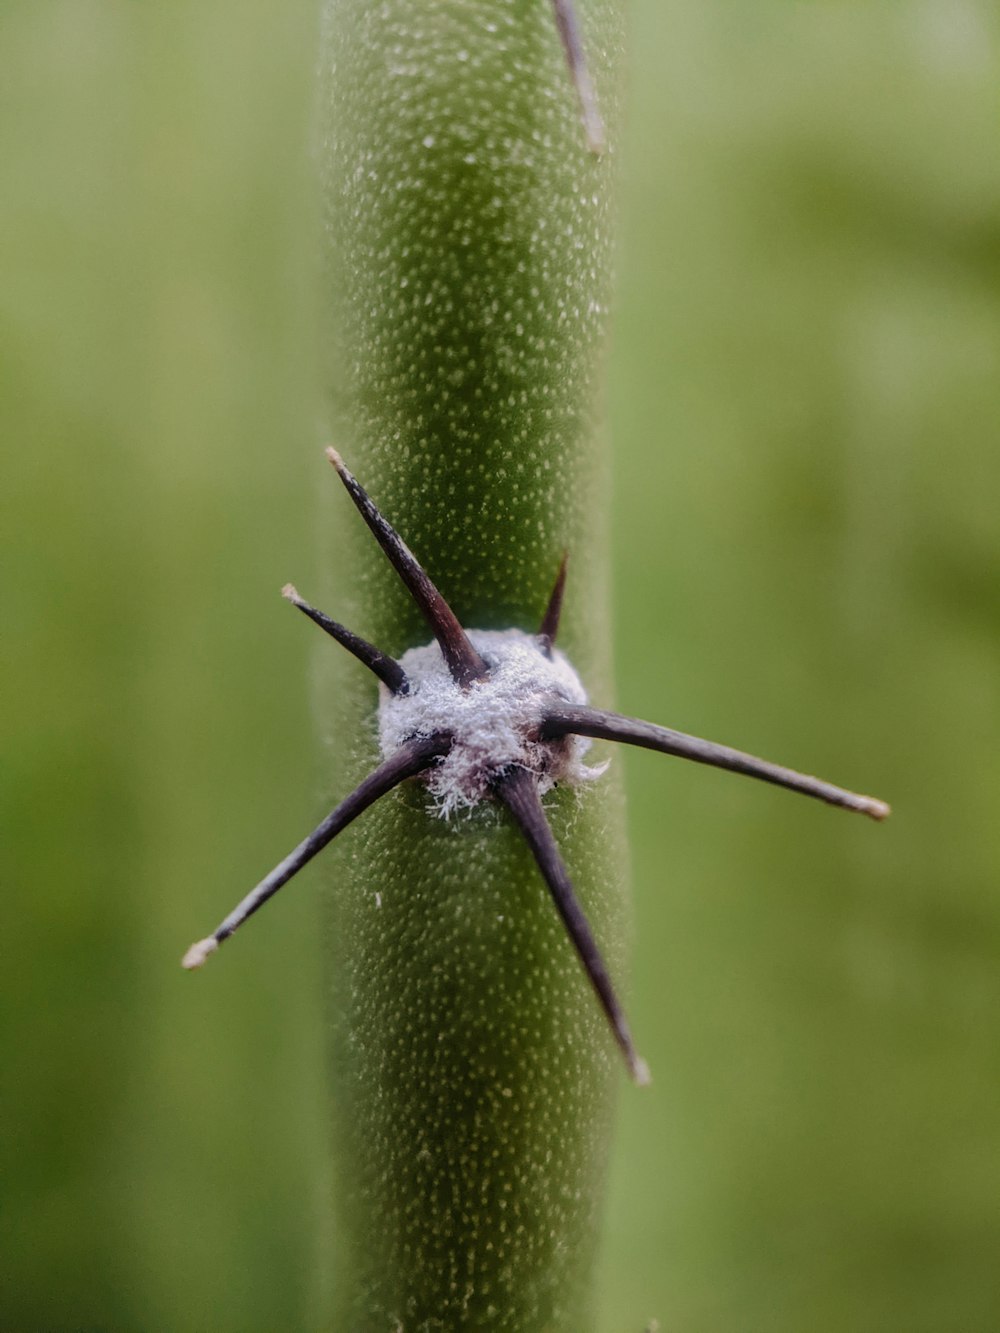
(494, 722)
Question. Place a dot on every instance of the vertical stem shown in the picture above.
(470, 245)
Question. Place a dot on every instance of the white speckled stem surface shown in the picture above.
(469, 235)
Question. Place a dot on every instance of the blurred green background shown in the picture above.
(804, 397)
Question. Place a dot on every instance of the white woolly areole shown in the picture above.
(493, 723)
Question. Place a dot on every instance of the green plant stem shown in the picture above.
(469, 242)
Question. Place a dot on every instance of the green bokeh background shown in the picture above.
(804, 399)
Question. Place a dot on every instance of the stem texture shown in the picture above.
(469, 238)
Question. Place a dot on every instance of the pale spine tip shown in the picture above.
(639, 1070)
(335, 459)
(290, 593)
(199, 953)
(594, 129)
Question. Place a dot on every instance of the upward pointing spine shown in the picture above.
(464, 663)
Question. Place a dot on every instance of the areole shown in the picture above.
(496, 715)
